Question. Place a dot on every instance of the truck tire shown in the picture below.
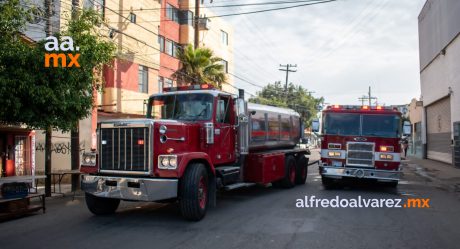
(328, 183)
(100, 205)
(301, 170)
(193, 192)
(289, 178)
(392, 184)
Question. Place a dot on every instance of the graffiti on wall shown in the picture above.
(63, 148)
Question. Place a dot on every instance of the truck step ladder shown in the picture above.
(239, 185)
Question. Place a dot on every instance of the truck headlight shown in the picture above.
(334, 154)
(386, 157)
(173, 162)
(89, 159)
(167, 161)
(93, 159)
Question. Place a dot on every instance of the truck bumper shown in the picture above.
(126, 188)
(364, 173)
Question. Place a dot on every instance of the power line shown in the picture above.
(256, 11)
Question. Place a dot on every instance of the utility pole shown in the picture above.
(287, 70)
(75, 132)
(197, 23)
(369, 98)
(49, 130)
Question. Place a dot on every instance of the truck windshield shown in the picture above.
(188, 106)
(347, 124)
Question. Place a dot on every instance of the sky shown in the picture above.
(340, 48)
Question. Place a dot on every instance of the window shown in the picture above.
(182, 106)
(161, 41)
(176, 48)
(97, 5)
(143, 81)
(225, 64)
(172, 13)
(224, 37)
(160, 84)
(223, 111)
(168, 82)
(185, 17)
(132, 17)
(169, 47)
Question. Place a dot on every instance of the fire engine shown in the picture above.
(360, 142)
(194, 141)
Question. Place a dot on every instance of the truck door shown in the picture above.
(224, 131)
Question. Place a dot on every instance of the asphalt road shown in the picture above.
(258, 217)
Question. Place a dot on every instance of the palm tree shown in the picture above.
(199, 66)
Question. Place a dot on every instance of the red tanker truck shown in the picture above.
(194, 141)
(360, 142)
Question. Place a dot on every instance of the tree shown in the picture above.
(49, 97)
(297, 98)
(199, 66)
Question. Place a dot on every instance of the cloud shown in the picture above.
(340, 48)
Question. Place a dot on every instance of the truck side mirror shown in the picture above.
(315, 125)
(407, 128)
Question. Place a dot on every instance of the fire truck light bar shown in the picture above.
(187, 88)
(359, 107)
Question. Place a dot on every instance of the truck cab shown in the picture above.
(360, 142)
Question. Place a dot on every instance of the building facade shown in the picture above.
(147, 35)
(440, 79)
(415, 117)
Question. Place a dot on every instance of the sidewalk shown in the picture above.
(438, 172)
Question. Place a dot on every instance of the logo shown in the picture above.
(360, 139)
(120, 124)
(64, 59)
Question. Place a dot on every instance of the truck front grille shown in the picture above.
(124, 149)
(360, 154)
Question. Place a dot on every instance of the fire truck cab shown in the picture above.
(193, 141)
(360, 142)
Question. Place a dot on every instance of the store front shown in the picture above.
(17, 151)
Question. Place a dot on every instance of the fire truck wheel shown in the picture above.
(193, 189)
(328, 183)
(101, 206)
(392, 184)
(289, 179)
(301, 170)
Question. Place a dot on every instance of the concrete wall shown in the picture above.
(442, 78)
(438, 26)
(440, 66)
(61, 148)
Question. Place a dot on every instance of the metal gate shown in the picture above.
(439, 131)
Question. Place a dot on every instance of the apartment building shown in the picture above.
(147, 34)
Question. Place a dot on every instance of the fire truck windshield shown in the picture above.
(191, 107)
(347, 124)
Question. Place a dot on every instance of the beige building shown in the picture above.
(415, 117)
(439, 37)
(216, 34)
(146, 34)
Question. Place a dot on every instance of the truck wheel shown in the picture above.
(392, 184)
(194, 195)
(100, 205)
(328, 183)
(301, 170)
(289, 179)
